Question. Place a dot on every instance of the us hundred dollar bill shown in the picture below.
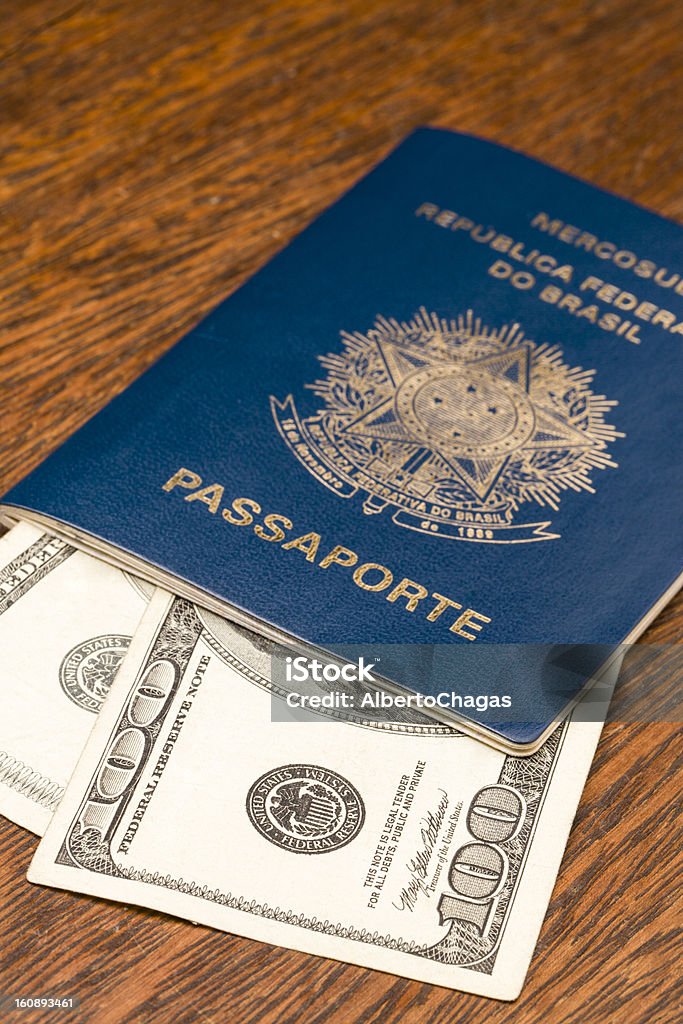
(428, 855)
(66, 621)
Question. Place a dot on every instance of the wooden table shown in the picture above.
(155, 154)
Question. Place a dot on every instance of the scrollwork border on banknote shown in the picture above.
(60, 552)
(14, 773)
(87, 845)
(28, 782)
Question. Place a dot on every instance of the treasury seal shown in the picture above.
(305, 809)
(88, 670)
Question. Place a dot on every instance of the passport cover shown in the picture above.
(445, 420)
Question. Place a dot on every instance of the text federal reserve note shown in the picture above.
(66, 621)
(429, 856)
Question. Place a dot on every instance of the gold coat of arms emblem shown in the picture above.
(453, 427)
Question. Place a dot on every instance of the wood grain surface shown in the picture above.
(154, 154)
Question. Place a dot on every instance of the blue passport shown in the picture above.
(442, 427)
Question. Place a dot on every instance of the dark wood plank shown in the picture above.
(153, 155)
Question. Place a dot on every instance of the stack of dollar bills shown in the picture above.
(138, 738)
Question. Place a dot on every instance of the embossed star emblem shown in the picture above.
(475, 415)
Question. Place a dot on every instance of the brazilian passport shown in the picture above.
(438, 435)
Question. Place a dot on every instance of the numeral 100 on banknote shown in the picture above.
(478, 871)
